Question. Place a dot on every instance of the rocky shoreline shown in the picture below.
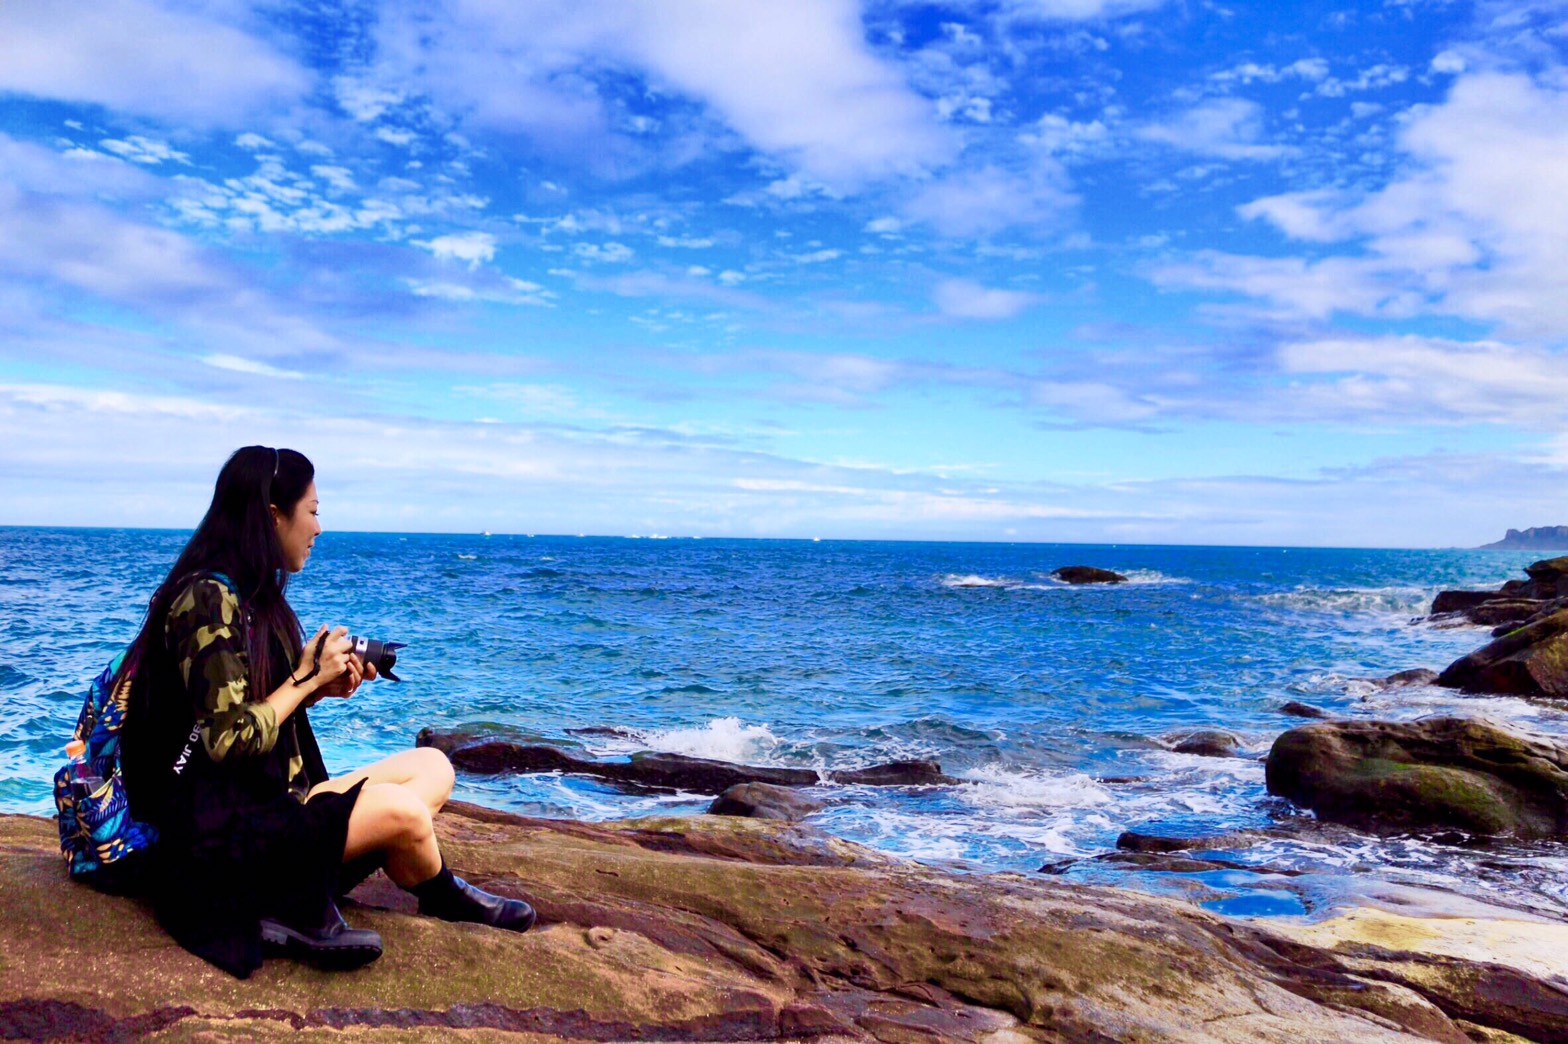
(717, 928)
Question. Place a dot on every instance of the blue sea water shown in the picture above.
(1056, 705)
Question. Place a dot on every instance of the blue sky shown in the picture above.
(1061, 270)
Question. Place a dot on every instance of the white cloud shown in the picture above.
(1224, 127)
(1475, 225)
(475, 248)
(1412, 379)
(497, 289)
(818, 256)
(238, 364)
(393, 136)
(79, 173)
(687, 242)
(142, 150)
(1077, 10)
(1252, 72)
(1300, 215)
(363, 101)
(371, 472)
(797, 81)
(966, 299)
(339, 178)
(1370, 79)
(1062, 136)
(145, 58)
(611, 252)
(987, 200)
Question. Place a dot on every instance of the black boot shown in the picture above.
(454, 899)
(325, 941)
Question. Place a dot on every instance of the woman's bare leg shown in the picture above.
(424, 770)
(394, 810)
(391, 818)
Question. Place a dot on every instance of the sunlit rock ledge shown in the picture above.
(716, 928)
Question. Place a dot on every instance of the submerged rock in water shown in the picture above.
(1414, 676)
(1208, 743)
(1079, 574)
(1529, 661)
(1303, 710)
(472, 752)
(713, 928)
(1433, 774)
(763, 801)
(1132, 841)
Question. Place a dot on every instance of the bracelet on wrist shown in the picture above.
(315, 666)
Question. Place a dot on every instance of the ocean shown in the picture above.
(1055, 705)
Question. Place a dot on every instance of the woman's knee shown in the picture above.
(402, 818)
(436, 769)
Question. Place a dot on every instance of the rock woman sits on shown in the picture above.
(217, 752)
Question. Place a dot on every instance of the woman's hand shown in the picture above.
(355, 671)
(333, 670)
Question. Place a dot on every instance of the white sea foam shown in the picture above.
(1401, 600)
(972, 580)
(1153, 576)
(978, 841)
(726, 739)
(1004, 788)
(468, 558)
(1046, 582)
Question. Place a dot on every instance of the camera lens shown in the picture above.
(381, 653)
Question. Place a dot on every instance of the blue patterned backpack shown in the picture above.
(102, 844)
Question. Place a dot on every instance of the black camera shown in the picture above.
(374, 650)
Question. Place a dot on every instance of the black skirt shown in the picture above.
(250, 857)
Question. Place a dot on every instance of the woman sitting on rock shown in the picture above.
(255, 841)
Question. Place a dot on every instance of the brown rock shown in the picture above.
(649, 934)
(1414, 676)
(763, 801)
(1424, 775)
(475, 752)
(1459, 601)
(1529, 661)
(1209, 743)
(1499, 611)
(1303, 710)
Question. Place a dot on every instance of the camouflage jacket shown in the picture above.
(206, 632)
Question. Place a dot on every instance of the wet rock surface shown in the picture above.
(1208, 743)
(1433, 774)
(1081, 574)
(1515, 603)
(480, 753)
(1529, 652)
(1303, 710)
(715, 928)
(1414, 676)
(763, 801)
(1528, 661)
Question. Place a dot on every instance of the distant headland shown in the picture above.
(1536, 538)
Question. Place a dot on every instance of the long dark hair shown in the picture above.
(237, 537)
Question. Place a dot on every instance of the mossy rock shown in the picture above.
(1444, 773)
(1529, 661)
(716, 928)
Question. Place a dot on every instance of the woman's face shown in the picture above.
(297, 533)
